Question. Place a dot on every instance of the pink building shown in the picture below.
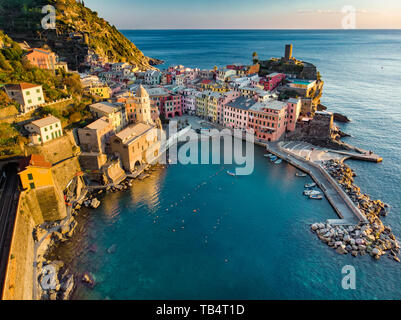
(294, 109)
(268, 120)
(236, 113)
(272, 81)
(224, 99)
(173, 106)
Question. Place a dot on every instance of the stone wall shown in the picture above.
(19, 279)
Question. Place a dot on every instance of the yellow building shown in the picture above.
(102, 91)
(35, 172)
(212, 106)
(202, 104)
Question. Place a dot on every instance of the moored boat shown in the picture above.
(311, 192)
(301, 174)
(274, 158)
(316, 196)
(231, 173)
(278, 161)
(310, 185)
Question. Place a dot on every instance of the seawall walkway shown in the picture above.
(338, 199)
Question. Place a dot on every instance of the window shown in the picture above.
(32, 185)
(30, 176)
(29, 101)
(27, 93)
(38, 90)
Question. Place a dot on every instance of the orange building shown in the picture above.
(43, 59)
(35, 172)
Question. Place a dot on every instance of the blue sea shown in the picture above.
(194, 232)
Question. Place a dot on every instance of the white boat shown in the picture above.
(278, 161)
(301, 174)
(231, 173)
(267, 155)
(310, 185)
(311, 192)
(316, 196)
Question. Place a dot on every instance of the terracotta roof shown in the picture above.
(22, 86)
(34, 160)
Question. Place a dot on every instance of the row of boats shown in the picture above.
(309, 191)
(273, 158)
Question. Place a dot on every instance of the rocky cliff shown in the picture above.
(78, 29)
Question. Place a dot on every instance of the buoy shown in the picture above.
(173, 230)
(226, 260)
(195, 210)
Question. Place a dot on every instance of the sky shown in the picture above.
(249, 14)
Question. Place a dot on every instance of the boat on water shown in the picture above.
(310, 185)
(267, 155)
(274, 158)
(231, 173)
(316, 196)
(278, 161)
(311, 192)
(301, 174)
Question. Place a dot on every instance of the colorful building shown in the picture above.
(268, 120)
(294, 110)
(236, 113)
(272, 81)
(29, 96)
(95, 136)
(99, 90)
(35, 172)
(136, 145)
(44, 130)
(173, 106)
(115, 113)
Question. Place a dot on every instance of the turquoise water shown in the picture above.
(249, 237)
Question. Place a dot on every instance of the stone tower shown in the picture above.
(142, 106)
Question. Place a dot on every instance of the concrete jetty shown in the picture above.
(347, 211)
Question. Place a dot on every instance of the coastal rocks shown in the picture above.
(357, 240)
(88, 279)
(67, 287)
(340, 118)
(54, 284)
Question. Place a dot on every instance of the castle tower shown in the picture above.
(288, 52)
(142, 106)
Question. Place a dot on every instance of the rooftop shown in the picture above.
(105, 107)
(22, 86)
(133, 131)
(242, 102)
(34, 160)
(44, 122)
(99, 124)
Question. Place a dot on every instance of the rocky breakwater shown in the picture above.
(372, 238)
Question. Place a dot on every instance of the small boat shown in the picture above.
(311, 192)
(310, 185)
(301, 174)
(231, 173)
(267, 155)
(274, 158)
(316, 196)
(278, 161)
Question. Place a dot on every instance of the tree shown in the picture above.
(255, 57)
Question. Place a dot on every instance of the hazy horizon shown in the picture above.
(250, 15)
